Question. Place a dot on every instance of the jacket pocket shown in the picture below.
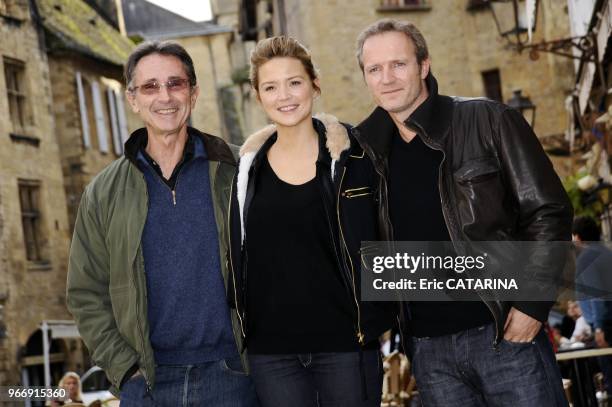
(477, 170)
(481, 199)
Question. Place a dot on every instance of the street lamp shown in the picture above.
(515, 19)
(524, 105)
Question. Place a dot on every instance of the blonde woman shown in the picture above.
(72, 383)
(302, 202)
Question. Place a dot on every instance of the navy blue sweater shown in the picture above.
(188, 315)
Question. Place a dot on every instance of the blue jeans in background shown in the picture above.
(465, 369)
(219, 384)
(317, 379)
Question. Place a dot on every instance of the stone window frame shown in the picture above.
(30, 199)
(17, 95)
(404, 5)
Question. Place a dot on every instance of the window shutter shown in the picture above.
(83, 111)
(123, 129)
(112, 107)
(99, 114)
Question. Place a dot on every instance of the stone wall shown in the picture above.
(29, 291)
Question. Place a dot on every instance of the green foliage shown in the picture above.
(240, 75)
(577, 197)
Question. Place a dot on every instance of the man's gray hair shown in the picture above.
(391, 25)
(167, 48)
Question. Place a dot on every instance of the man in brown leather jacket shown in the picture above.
(462, 170)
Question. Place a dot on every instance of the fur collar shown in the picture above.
(337, 141)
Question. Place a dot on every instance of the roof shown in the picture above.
(73, 25)
(152, 22)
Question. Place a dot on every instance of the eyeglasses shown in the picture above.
(153, 87)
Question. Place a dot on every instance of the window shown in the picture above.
(83, 110)
(90, 114)
(99, 117)
(492, 84)
(103, 116)
(398, 5)
(473, 5)
(29, 199)
(14, 73)
(118, 122)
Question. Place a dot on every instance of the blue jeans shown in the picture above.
(465, 369)
(317, 379)
(220, 384)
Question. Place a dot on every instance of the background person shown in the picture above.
(70, 381)
(594, 286)
(582, 331)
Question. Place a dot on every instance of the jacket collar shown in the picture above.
(215, 148)
(432, 117)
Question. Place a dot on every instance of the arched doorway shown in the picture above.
(32, 362)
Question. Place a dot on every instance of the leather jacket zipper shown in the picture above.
(383, 183)
(360, 335)
(431, 145)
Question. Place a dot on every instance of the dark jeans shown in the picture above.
(465, 369)
(317, 379)
(219, 384)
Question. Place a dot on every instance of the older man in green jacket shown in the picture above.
(148, 271)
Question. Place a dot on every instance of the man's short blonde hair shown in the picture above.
(391, 25)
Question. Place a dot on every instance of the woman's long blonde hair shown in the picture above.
(75, 376)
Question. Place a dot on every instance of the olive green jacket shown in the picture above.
(106, 287)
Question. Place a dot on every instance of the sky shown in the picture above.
(196, 10)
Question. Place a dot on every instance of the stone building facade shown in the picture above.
(64, 118)
(468, 55)
(34, 228)
(92, 118)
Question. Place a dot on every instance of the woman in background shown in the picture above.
(71, 382)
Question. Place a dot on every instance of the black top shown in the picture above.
(416, 215)
(296, 302)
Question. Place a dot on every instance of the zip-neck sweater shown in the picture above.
(188, 314)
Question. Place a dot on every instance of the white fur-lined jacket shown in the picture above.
(349, 181)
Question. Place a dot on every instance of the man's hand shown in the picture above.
(600, 339)
(520, 327)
